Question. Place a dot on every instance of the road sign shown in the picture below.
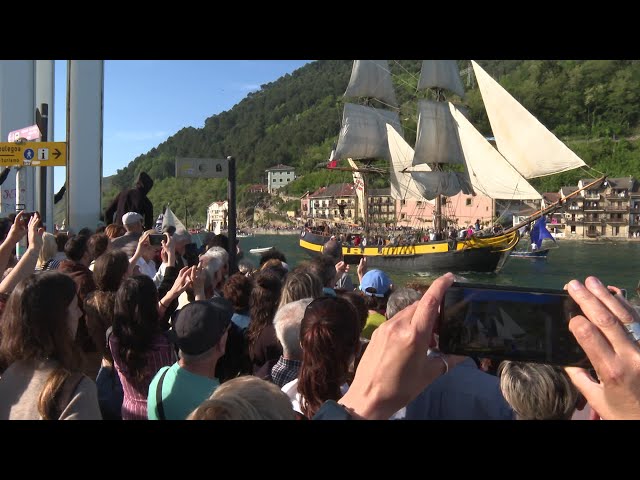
(33, 154)
(28, 133)
(202, 167)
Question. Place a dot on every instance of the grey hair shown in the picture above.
(287, 324)
(181, 235)
(537, 391)
(214, 259)
(401, 299)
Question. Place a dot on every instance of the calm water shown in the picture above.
(614, 263)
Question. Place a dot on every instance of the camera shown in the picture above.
(510, 323)
(155, 239)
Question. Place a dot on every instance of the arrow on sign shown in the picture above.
(57, 153)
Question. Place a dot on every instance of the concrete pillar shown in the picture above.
(17, 111)
(85, 91)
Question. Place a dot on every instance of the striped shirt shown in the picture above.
(160, 354)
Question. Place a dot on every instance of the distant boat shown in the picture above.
(538, 233)
(260, 251)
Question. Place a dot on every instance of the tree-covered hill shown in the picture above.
(592, 105)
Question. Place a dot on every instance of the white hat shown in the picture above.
(131, 217)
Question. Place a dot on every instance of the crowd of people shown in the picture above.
(114, 324)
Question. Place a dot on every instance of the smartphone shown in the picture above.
(510, 323)
(155, 239)
(26, 216)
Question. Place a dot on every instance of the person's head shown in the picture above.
(246, 267)
(324, 267)
(272, 254)
(237, 289)
(114, 231)
(110, 270)
(216, 264)
(376, 287)
(132, 222)
(98, 244)
(135, 322)
(40, 321)
(401, 299)
(170, 229)
(333, 249)
(538, 391)
(300, 285)
(357, 300)
(144, 183)
(264, 302)
(276, 266)
(330, 341)
(245, 398)
(287, 324)
(61, 240)
(48, 250)
(181, 238)
(200, 332)
(86, 231)
(76, 249)
(219, 240)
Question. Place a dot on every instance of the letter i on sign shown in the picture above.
(43, 154)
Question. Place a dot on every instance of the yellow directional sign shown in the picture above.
(33, 154)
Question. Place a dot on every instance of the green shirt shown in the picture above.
(374, 320)
(182, 392)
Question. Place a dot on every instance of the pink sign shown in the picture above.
(30, 133)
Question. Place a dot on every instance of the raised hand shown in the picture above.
(614, 354)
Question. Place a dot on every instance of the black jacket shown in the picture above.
(132, 200)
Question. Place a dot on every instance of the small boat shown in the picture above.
(538, 233)
(260, 251)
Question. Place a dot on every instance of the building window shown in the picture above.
(486, 209)
(419, 203)
(403, 202)
(274, 180)
(468, 202)
(402, 215)
(280, 180)
(573, 229)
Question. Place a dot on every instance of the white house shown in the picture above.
(217, 216)
(279, 176)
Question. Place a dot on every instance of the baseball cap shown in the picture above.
(200, 326)
(375, 282)
(131, 217)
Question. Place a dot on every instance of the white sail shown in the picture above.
(403, 186)
(488, 171)
(170, 219)
(441, 74)
(436, 140)
(506, 327)
(358, 182)
(371, 78)
(526, 144)
(364, 132)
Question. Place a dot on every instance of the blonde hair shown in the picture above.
(245, 398)
(48, 250)
(538, 391)
(299, 285)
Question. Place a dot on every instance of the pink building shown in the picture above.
(460, 209)
(466, 209)
(414, 213)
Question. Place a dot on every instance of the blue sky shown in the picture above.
(147, 101)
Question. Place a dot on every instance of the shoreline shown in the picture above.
(271, 231)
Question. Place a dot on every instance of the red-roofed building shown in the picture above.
(335, 202)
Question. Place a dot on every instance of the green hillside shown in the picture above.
(591, 105)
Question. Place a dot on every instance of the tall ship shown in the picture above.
(450, 156)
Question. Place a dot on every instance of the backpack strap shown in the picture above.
(159, 405)
(65, 394)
